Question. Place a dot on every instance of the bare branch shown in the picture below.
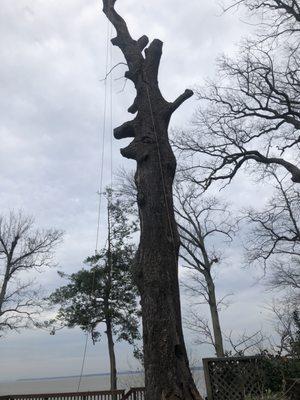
(180, 100)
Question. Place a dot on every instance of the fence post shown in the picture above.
(207, 378)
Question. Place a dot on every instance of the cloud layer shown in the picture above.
(52, 61)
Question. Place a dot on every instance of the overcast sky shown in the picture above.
(52, 62)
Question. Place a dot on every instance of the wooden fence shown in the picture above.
(233, 378)
(132, 394)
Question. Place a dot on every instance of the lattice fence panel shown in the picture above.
(233, 378)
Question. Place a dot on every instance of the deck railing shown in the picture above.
(135, 394)
(103, 395)
(132, 394)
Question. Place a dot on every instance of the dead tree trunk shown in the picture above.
(167, 372)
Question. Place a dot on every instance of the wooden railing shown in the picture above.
(103, 395)
(135, 394)
(132, 394)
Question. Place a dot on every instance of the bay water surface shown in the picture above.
(88, 383)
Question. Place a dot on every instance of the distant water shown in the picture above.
(88, 383)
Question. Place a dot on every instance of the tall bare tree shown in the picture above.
(167, 371)
(23, 249)
(251, 112)
(274, 236)
(203, 222)
(234, 343)
(286, 320)
(274, 243)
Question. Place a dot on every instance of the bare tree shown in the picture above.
(274, 244)
(126, 189)
(251, 112)
(285, 12)
(234, 344)
(201, 328)
(274, 237)
(23, 249)
(286, 319)
(275, 230)
(203, 221)
(245, 344)
(285, 275)
(167, 372)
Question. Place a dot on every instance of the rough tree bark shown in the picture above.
(167, 372)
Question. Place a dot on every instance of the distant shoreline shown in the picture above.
(53, 378)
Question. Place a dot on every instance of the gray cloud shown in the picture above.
(52, 61)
